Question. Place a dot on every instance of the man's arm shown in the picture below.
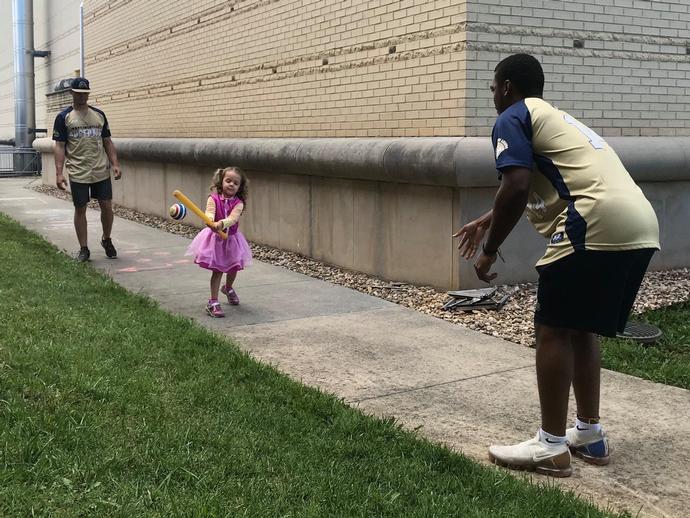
(109, 147)
(509, 205)
(59, 156)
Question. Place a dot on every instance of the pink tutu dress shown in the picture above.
(212, 252)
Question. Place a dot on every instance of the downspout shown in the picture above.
(82, 70)
(24, 107)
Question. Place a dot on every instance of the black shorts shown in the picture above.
(83, 192)
(591, 290)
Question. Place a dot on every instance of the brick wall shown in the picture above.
(6, 73)
(56, 28)
(348, 68)
(278, 68)
(631, 78)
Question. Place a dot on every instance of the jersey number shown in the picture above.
(595, 140)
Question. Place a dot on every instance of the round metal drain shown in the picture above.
(641, 332)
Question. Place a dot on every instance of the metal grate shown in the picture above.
(19, 162)
(641, 332)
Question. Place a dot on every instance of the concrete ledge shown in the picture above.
(386, 207)
(441, 161)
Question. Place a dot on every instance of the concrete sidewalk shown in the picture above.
(456, 386)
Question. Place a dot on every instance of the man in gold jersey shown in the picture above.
(601, 232)
(82, 141)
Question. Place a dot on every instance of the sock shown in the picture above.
(211, 301)
(583, 427)
(550, 440)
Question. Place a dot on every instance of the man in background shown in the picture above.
(83, 144)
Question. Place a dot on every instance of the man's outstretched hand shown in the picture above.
(471, 236)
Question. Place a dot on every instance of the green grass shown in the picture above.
(667, 361)
(112, 407)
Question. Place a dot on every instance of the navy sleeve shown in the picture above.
(105, 131)
(512, 138)
(60, 128)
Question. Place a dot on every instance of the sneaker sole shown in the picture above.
(214, 316)
(538, 468)
(596, 461)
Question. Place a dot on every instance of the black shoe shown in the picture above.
(109, 248)
(84, 254)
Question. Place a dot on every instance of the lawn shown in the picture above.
(110, 406)
(667, 361)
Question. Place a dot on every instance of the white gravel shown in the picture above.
(513, 322)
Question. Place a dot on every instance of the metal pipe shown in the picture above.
(82, 71)
(24, 103)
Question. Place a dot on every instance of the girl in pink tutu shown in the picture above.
(224, 206)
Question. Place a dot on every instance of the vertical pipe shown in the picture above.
(24, 108)
(82, 71)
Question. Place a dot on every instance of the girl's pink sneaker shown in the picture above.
(233, 299)
(213, 308)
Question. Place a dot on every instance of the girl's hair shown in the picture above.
(217, 185)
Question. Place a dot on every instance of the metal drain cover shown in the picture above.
(641, 332)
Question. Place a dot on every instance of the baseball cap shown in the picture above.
(80, 84)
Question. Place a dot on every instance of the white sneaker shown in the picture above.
(534, 455)
(592, 447)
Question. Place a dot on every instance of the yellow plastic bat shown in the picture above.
(196, 210)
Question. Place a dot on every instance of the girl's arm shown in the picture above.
(211, 213)
(210, 208)
(234, 216)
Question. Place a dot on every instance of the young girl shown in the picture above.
(210, 251)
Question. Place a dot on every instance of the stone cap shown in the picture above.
(443, 161)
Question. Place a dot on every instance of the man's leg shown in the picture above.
(80, 225)
(106, 217)
(103, 192)
(587, 373)
(587, 439)
(554, 376)
(547, 453)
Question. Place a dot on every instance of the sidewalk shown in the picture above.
(455, 386)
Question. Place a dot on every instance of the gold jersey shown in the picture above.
(581, 196)
(83, 136)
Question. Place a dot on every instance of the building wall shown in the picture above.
(632, 78)
(279, 68)
(56, 28)
(6, 73)
(256, 69)
(354, 68)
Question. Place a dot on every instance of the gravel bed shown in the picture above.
(513, 322)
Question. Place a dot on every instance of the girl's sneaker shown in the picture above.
(213, 308)
(233, 299)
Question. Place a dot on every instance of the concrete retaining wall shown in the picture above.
(382, 206)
